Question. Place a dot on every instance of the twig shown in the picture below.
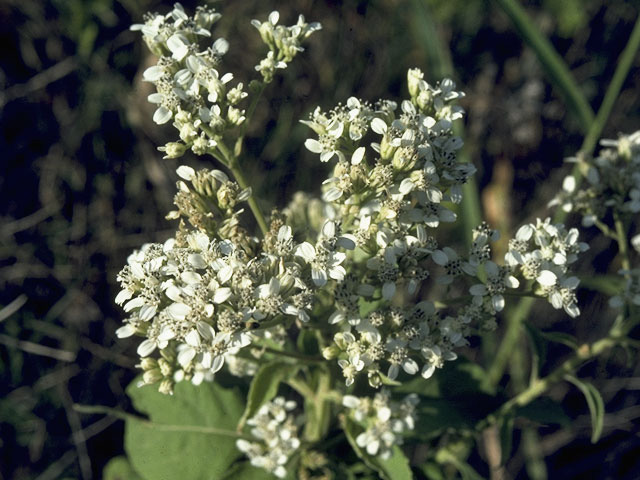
(28, 221)
(37, 349)
(13, 307)
(79, 439)
(56, 469)
(39, 81)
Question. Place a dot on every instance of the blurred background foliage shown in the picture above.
(81, 185)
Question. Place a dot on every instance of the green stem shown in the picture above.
(552, 63)
(297, 356)
(237, 150)
(621, 237)
(302, 388)
(511, 337)
(538, 387)
(606, 231)
(113, 412)
(611, 95)
(232, 164)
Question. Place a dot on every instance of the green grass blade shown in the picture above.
(553, 65)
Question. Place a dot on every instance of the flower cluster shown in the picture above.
(612, 182)
(543, 252)
(276, 431)
(384, 421)
(395, 176)
(190, 87)
(284, 42)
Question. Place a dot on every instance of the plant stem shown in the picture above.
(512, 335)
(237, 150)
(538, 387)
(623, 247)
(232, 164)
(297, 356)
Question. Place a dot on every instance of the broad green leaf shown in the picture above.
(264, 386)
(544, 411)
(175, 443)
(394, 468)
(119, 468)
(246, 471)
(595, 404)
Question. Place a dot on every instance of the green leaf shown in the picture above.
(162, 451)
(119, 468)
(394, 468)
(595, 404)
(246, 471)
(264, 386)
(544, 411)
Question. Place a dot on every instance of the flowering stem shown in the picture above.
(510, 340)
(232, 163)
(237, 150)
(297, 356)
(621, 237)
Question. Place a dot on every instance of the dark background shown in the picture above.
(82, 185)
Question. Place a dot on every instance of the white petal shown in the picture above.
(125, 331)
(185, 356)
(313, 145)
(357, 156)
(192, 338)
(478, 290)
(221, 295)
(547, 278)
(162, 115)
(388, 290)
(146, 348)
(379, 126)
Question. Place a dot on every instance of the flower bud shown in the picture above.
(173, 150)
(331, 352)
(152, 376)
(414, 77)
